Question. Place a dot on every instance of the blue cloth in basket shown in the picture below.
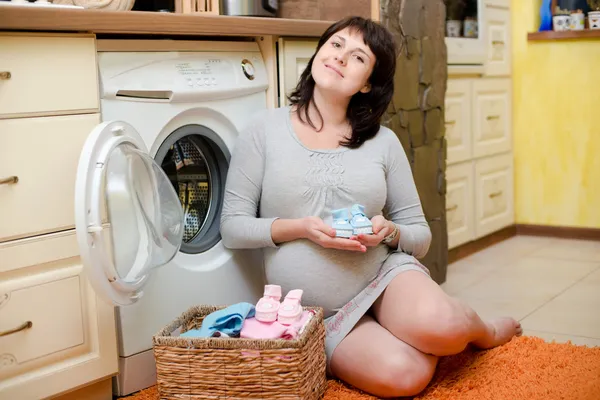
(225, 322)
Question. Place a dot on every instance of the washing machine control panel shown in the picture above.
(199, 73)
(183, 76)
(217, 72)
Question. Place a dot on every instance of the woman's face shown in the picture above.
(344, 64)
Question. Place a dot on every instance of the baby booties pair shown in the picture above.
(354, 222)
(269, 308)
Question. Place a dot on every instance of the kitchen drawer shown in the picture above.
(498, 42)
(71, 341)
(459, 203)
(48, 74)
(458, 120)
(54, 311)
(494, 194)
(492, 133)
(27, 252)
(43, 153)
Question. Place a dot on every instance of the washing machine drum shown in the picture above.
(196, 160)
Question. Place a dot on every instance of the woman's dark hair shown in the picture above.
(365, 109)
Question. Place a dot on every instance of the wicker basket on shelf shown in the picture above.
(211, 368)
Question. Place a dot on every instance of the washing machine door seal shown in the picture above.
(128, 217)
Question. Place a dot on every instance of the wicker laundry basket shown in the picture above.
(232, 368)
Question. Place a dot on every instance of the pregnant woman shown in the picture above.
(387, 321)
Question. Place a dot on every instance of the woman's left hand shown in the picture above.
(381, 228)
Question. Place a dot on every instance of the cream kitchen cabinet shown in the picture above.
(293, 55)
(478, 123)
(56, 336)
(479, 175)
(478, 117)
(497, 33)
(479, 194)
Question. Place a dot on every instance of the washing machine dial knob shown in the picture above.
(248, 69)
(272, 4)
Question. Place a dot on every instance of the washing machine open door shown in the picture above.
(128, 217)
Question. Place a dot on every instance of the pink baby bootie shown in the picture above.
(268, 305)
(291, 309)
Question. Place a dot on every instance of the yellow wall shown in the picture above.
(556, 131)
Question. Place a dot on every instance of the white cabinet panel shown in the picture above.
(498, 42)
(494, 194)
(491, 117)
(53, 309)
(460, 204)
(458, 120)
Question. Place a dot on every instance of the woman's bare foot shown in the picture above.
(500, 331)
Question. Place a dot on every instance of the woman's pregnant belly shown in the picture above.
(329, 278)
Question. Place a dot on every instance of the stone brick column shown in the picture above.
(416, 114)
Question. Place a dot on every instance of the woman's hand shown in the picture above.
(381, 228)
(322, 234)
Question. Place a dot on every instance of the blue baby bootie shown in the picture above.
(360, 223)
(341, 224)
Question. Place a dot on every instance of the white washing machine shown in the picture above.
(150, 187)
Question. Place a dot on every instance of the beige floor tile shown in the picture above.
(558, 338)
(509, 251)
(524, 245)
(507, 307)
(574, 312)
(532, 279)
(551, 285)
(467, 271)
(464, 273)
(567, 249)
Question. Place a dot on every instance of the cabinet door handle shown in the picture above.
(19, 328)
(454, 207)
(491, 117)
(495, 194)
(9, 181)
(494, 42)
(450, 122)
(5, 75)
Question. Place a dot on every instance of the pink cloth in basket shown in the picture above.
(255, 329)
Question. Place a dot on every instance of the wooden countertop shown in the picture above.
(24, 18)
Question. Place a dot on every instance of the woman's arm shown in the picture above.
(241, 228)
(403, 206)
(287, 230)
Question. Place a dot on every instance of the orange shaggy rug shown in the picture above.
(526, 368)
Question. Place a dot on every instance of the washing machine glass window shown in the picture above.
(120, 183)
(196, 160)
